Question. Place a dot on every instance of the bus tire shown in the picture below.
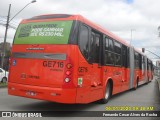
(4, 80)
(107, 93)
(136, 85)
(147, 80)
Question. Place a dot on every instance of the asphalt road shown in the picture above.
(146, 95)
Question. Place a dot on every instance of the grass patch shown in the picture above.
(3, 84)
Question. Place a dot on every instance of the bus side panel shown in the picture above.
(114, 74)
(125, 79)
(87, 76)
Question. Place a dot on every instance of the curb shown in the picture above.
(3, 86)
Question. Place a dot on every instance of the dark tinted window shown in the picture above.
(136, 60)
(95, 47)
(107, 44)
(109, 52)
(143, 65)
(117, 59)
(84, 41)
(140, 61)
(149, 64)
(124, 56)
(117, 47)
(111, 48)
(109, 56)
(128, 57)
(117, 50)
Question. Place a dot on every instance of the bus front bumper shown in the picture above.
(43, 93)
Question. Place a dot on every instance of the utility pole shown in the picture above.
(5, 37)
(131, 35)
(7, 25)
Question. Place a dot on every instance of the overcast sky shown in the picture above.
(117, 16)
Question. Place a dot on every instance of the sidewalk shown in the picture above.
(158, 81)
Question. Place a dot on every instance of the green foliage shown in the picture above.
(3, 85)
(8, 53)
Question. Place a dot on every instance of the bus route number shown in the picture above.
(52, 64)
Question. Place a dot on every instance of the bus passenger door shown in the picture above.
(96, 77)
(143, 68)
(125, 70)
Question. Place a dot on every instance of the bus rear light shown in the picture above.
(67, 80)
(68, 73)
(69, 66)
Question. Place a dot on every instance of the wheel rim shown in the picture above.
(4, 80)
(107, 92)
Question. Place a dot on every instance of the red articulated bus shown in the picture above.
(68, 59)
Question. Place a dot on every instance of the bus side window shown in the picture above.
(149, 65)
(136, 58)
(128, 57)
(84, 41)
(107, 44)
(140, 61)
(143, 65)
(111, 46)
(124, 56)
(95, 47)
(109, 52)
(117, 48)
(92, 47)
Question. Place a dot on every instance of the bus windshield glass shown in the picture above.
(54, 32)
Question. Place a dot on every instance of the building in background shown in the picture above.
(7, 54)
(158, 63)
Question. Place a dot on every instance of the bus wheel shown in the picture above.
(4, 80)
(136, 85)
(107, 93)
(147, 80)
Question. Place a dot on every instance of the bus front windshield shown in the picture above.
(54, 32)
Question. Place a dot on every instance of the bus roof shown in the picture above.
(54, 17)
(140, 52)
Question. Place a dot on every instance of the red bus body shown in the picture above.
(60, 72)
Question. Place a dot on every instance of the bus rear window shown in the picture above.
(55, 32)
